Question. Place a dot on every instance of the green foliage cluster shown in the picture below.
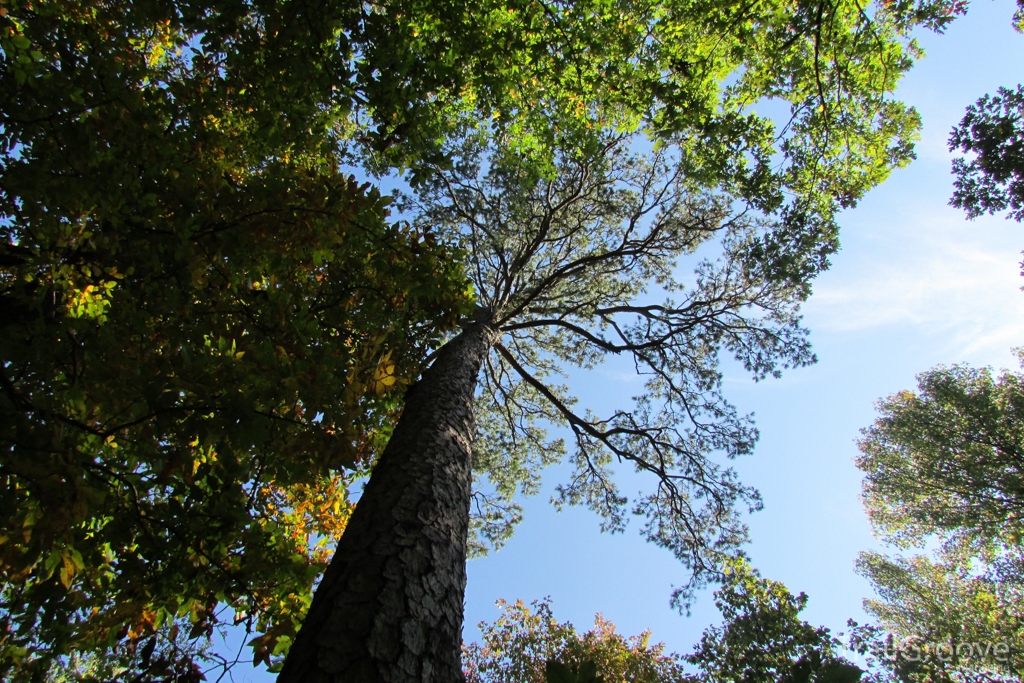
(992, 131)
(944, 460)
(203, 318)
(761, 640)
(993, 179)
(556, 672)
(518, 646)
(944, 467)
(940, 621)
(169, 654)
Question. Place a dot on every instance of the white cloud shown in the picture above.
(930, 272)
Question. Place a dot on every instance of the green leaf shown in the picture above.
(556, 672)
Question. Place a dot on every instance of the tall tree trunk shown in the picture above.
(389, 608)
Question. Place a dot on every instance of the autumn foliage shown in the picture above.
(203, 323)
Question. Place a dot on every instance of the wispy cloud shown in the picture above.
(628, 377)
(932, 271)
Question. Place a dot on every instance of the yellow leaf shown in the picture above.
(67, 572)
(384, 376)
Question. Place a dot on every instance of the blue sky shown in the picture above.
(915, 285)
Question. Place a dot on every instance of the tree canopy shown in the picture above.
(517, 646)
(993, 180)
(574, 233)
(992, 131)
(580, 215)
(944, 467)
(761, 638)
(562, 265)
(205, 317)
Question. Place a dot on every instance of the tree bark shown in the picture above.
(389, 607)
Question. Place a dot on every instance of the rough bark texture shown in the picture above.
(389, 608)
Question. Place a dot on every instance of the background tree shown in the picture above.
(993, 180)
(168, 655)
(993, 131)
(517, 646)
(761, 638)
(944, 466)
(941, 621)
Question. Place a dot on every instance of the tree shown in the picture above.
(572, 229)
(518, 646)
(201, 311)
(993, 130)
(944, 467)
(945, 621)
(761, 638)
(992, 181)
(947, 461)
